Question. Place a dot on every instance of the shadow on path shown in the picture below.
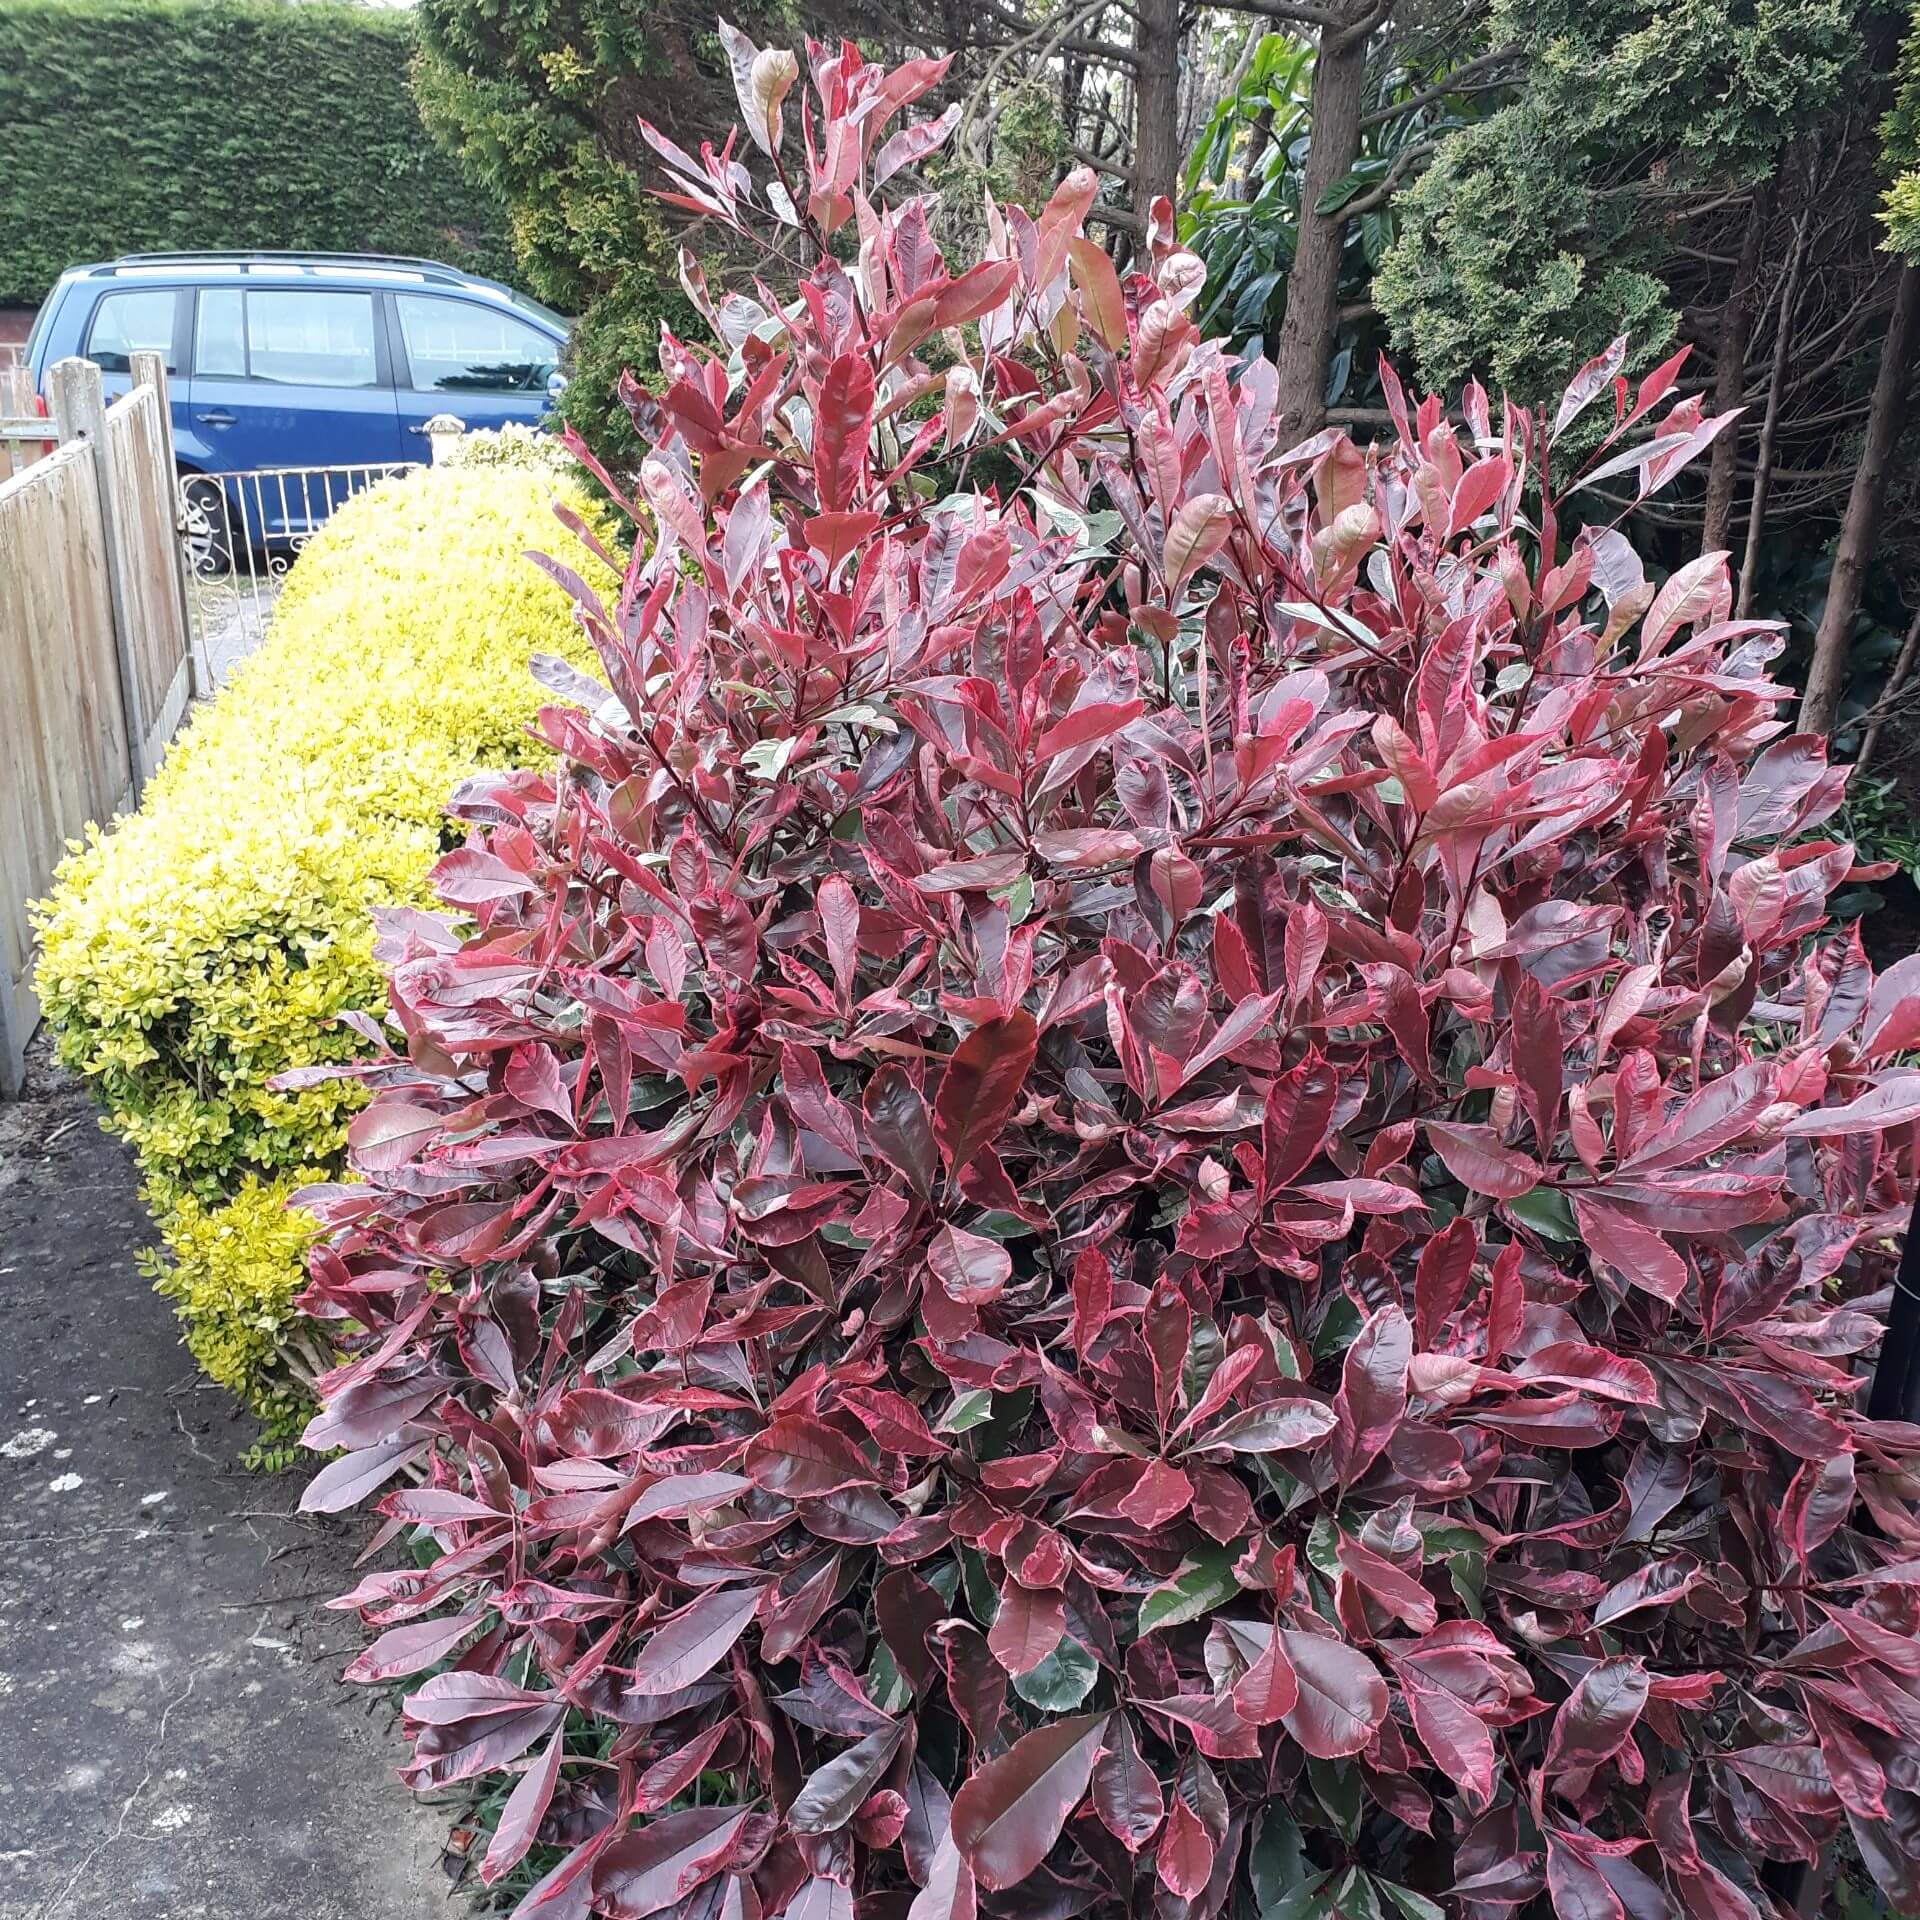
(177, 1744)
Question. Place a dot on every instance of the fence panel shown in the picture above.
(94, 663)
(65, 734)
(140, 477)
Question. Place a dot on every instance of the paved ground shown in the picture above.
(174, 1743)
(230, 614)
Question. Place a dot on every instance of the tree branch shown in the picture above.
(1451, 84)
(1404, 163)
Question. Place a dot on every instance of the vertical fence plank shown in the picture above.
(150, 370)
(80, 412)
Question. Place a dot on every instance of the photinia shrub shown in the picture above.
(1151, 1186)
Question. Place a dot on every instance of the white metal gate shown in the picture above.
(241, 532)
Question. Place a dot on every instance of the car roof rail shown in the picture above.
(296, 257)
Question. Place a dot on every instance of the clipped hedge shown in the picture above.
(131, 125)
(213, 940)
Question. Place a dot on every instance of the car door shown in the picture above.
(132, 320)
(287, 380)
(481, 362)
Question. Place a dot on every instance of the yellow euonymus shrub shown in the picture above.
(210, 941)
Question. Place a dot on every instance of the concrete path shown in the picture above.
(174, 1741)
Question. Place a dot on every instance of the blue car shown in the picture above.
(305, 360)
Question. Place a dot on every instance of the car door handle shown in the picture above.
(418, 427)
(218, 418)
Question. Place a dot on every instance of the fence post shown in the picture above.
(150, 370)
(443, 433)
(80, 413)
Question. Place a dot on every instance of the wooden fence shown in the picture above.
(95, 657)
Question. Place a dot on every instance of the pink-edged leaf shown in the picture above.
(844, 421)
(1342, 1696)
(981, 1084)
(390, 1133)
(949, 1893)
(668, 1778)
(1011, 1811)
(1476, 1157)
(1126, 1791)
(1283, 1426)
(1184, 1861)
(1028, 1626)
(1198, 530)
(1591, 381)
(1660, 1583)
(1893, 1103)
(901, 1128)
(804, 1459)
(691, 1643)
(1440, 1279)
(1637, 1254)
(1091, 725)
(1456, 1736)
(401, 1651)
(913, 144)
(1610, 1376)
(1372, 1399)
(1299, 1111)
(1479, 487)
(1596, 1716)
(654, 1867)
(526, 1807)
(345, 1482)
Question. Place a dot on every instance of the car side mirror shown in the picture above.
(556, 384)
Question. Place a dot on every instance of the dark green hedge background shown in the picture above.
(138, 125)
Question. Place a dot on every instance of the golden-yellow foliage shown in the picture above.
(210, 941)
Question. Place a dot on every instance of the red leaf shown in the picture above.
(655, 1867)
(1184, 1862)
(1453, 1734)
(1597, 1716)
(1299, 1111)
(802, 1460)
(1126, 1791)
(843, 420)
(520, 1818)
(1011, 1811)
(1536, 1057)
(1373, 1391)
(971, 1269)
(1440, 1279)
(1477, 1159)
(695, 1640)
(1092, 1298)
(1028, 1626)
(1342, 1696)
(981, 1085)
(900, 1127)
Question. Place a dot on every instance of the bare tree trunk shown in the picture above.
(1156, 96)
(1770, 426)
(1730, 374)
(1886, 415)
(1305, 347)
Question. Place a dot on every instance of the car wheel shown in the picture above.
(208, 526)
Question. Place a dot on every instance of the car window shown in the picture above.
(302, 339)
(454, 346)
(128, 323)
(220, 333)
